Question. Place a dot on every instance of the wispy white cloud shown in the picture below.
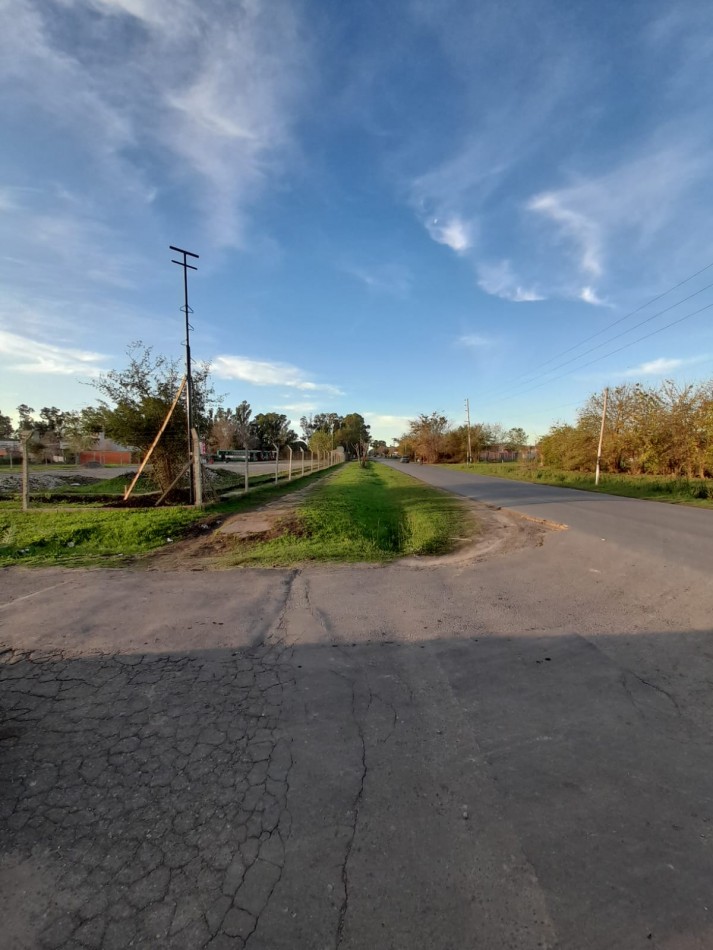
(454, 232)
(210, 100)
(26, 355)
(499, 280)
(599, 220)
(662, 366)
(393, 279)
(589, 295)
(266, 373)
(473, 341)
(583, 231)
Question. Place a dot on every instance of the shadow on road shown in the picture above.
(479, 791)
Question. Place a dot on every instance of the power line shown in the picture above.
(618, 336)
(604, 356)
(632, 313)
(533, 376)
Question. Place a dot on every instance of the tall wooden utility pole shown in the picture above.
(601, 436)
(189, 377)
(467, 412)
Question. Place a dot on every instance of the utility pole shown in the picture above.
(601, 436)
(467, 412)
(189, 378)
(25, 436)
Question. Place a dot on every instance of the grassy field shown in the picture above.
(363, 514)
(688, 491)
(91, 535)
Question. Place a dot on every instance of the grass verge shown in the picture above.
(362, 514)
(677, 491)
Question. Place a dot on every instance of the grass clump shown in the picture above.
(362, 514)
(686, 491)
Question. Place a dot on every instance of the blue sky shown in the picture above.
(396, 204)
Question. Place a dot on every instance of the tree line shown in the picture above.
(649, 430)
(134, 402)
(434, 439)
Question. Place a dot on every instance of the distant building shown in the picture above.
(106, 452)
(10, 449)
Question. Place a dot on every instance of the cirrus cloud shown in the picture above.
(25, 355)
(268, 373)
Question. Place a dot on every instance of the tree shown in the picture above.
(320, 442)
(137, 400)
(272, 428)
(427, 435)
(515, 440)
(27, 420)
(320, 422)
(244, 437)
(222, 431)
(6, 427)
(80, 430)
(353, 434)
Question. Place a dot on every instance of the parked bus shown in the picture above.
(238, 455)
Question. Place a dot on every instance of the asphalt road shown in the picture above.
(509, 752)
(673, 534)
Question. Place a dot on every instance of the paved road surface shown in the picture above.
(504, 753)
(673, 534)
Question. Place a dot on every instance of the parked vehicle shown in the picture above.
(405, 458)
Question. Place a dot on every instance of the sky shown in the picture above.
(397, 205)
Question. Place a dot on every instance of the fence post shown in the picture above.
(25, 435)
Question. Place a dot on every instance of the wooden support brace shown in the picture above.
(155, 441)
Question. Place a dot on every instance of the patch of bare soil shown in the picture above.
(208, 542)
(498, 533)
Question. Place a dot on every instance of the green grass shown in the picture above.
(71, 537)
(363, 514)
(74, 537)
(686, 491)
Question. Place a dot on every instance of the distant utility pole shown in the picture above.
(467, 412)
(601, 436)
(189, 378)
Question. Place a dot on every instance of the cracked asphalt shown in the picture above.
(507, 752)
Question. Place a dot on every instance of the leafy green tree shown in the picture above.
(515, 440)
(80, 430)
(320, 422)
(244, 437)
(427, 435)
(222, 431)
(353, 434)
(27, 419)
(6, 427)
(320, 442)
(137, 400)
(272, 428)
